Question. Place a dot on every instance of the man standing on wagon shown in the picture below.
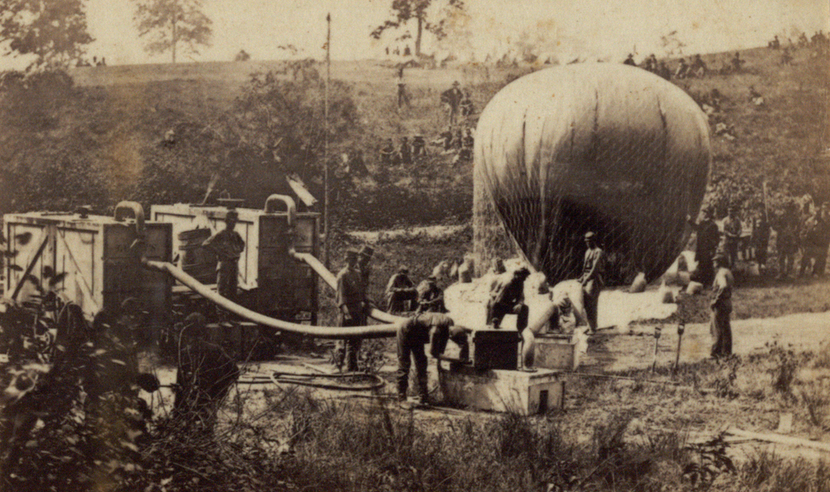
(228, 246)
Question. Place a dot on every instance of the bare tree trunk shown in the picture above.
(418, 37)
(174, 39)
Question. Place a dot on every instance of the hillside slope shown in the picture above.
(99, 136)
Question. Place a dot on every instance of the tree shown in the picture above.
(172, 22)
(54, 31)
(405, 10)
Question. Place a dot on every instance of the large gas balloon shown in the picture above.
(602, 147)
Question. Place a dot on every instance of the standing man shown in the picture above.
(823, 233)
(228, 246)
(351, 303)
(708, 237)
(430, 296)
(364, 260)
(591, 279)
(732, 229)
(720, 327)
(413, 334)
(787, 239)
(760, 238)
(387, 153)
(419, 146)
(406, 151)
(400, 292)
(452, 99)
(403, 97)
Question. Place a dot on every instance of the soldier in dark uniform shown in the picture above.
(452, 99)
(430, 296)
(406, 151)
(444, 140)
(228, 246)
(467, 107)
(737, 63)
(413, 334)
(630, 60)
(352, 306)
(823, 235)
(387, 153)
(419, 146)
(721, 306)
(507, 297)
(760, 238)
(708, 238)
(664, 71)
(732, 229)
(787, 228)
(682, 69)
(204, 377)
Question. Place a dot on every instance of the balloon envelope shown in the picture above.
(606, 148)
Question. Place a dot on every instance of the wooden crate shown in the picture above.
(92, 257)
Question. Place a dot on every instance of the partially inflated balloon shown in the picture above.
(591, 147)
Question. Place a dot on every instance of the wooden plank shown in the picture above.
(779, 439)
(43, 239)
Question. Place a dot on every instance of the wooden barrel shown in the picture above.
(196, 261)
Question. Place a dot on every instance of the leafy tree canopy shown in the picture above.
(171, 23)
(402, 11)
(54, 31)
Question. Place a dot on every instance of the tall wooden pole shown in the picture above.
(326, 197)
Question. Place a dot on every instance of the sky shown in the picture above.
(569, 29)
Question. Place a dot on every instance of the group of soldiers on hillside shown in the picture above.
(804, 233)
(457, 138)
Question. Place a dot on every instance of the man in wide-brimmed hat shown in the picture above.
(351, 304)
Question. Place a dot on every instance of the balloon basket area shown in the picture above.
(500, 390)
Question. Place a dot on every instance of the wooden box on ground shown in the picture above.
(556, 352)
(494, 349)
(525, 393)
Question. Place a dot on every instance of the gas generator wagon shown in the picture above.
(90, 259)
(273, 282)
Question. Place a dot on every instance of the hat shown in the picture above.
(455, 83)
(366, 251)
(590, 235)
(403, 269)
(232, 214)
(523, 271)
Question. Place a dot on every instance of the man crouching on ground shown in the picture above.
(413, 334)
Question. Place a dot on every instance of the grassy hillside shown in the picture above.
(110, 125)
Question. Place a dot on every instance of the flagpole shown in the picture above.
(326, 145)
